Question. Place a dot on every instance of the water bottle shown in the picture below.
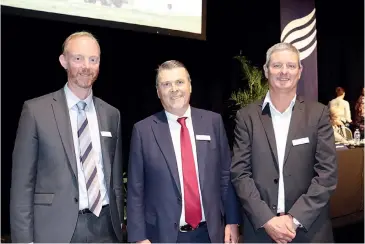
(357, 137)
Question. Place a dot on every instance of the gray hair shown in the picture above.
(281, 47)
(168, 65)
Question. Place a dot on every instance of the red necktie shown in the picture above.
(193, 212)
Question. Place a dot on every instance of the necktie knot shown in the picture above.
(182, 121)
(81, 105)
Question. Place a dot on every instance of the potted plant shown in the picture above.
(257, 85)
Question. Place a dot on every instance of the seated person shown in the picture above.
(343, 106)
(337, 125)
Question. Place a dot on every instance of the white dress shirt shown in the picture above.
(281, 123)
(175, 128)
(344, 112)
(90, 111)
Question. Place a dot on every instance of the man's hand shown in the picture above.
(231, 233)
(144, 241)
(289, 222)
(281, 229)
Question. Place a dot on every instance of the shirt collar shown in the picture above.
(72, 99)
(174, 117)
(267, 100)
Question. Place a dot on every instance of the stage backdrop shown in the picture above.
(298, 27)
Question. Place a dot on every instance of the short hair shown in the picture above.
(340, 91)
(281, 47)
(76, 35)
(168, 65)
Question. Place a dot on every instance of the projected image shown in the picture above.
(179, 15)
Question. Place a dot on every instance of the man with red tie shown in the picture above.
(179, 187)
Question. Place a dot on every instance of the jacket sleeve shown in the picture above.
(135, 197)
(241, 172)
(24, 173)
(118, 172)
(231, 204)
(309, 205)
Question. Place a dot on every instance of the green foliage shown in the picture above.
(257, 85)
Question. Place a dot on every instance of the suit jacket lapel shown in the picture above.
(266, 121)
(199, 129)
(162, 134)
(102, 123)
(295, 122)
(62, 118)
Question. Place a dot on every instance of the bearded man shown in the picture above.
(67, 163)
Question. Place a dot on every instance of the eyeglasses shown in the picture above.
(168, 84)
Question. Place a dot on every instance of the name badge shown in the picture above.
(203, 137)
(106, 133)
(300, 141)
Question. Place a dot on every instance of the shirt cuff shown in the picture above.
(297, 223)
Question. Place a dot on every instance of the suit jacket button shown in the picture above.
(76, 200)
(175, 224)
(274, 207)
(276, 181)
(179, 199)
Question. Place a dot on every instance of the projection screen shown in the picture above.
(171, 17)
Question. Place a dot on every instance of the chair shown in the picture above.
(348, 134)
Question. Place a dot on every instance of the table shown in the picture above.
(348, 199)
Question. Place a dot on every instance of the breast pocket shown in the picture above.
(304, 144)
(109, 143)
(208, 144)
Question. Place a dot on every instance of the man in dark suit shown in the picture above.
(284, 167)
(178, 177)
(67, 162)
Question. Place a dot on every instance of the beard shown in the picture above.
(84, 78)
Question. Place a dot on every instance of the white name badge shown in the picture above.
(106, 133)
(300, 141)
(203, 137)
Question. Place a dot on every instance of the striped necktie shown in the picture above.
(88, 160)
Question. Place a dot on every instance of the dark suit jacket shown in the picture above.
(310, 170)
(44, 190)
(154, 192)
